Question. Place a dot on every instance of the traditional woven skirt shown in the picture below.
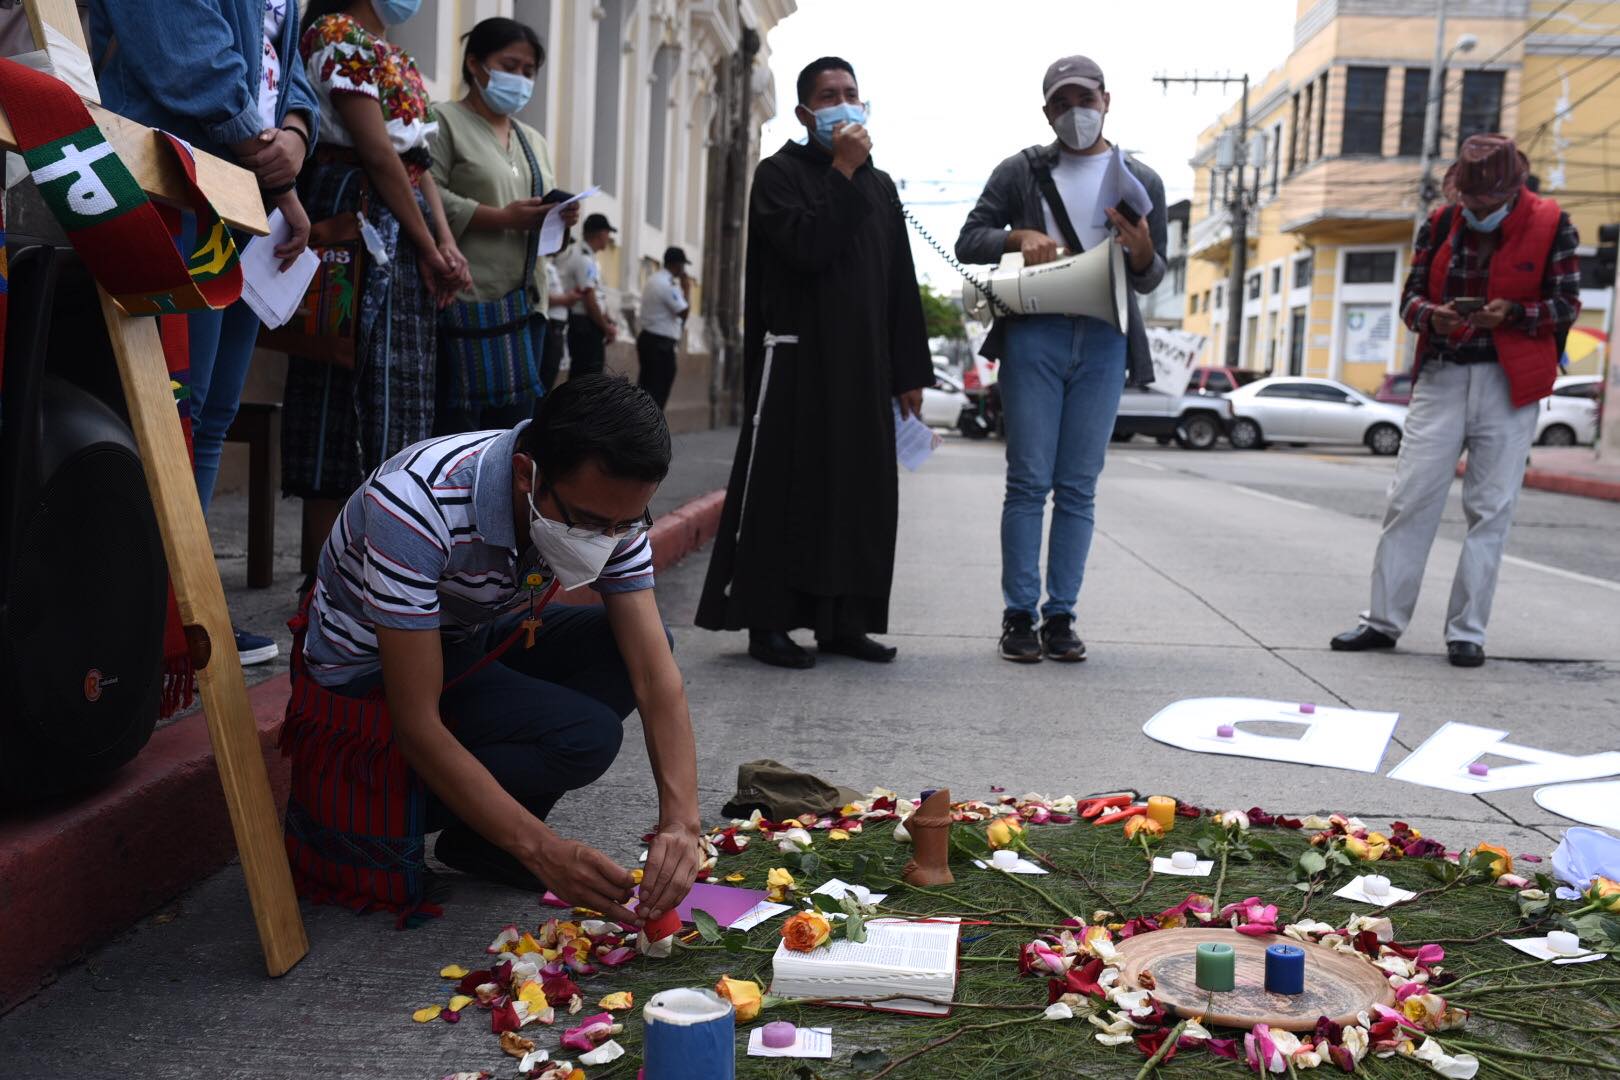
(338, 425)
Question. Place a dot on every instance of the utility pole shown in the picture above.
(1237, 208)
(1431, 120)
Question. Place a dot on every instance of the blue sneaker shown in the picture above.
(254, 649)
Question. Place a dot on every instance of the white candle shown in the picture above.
(1563, 942)
(1375, 885)
(1004, 859)
(1184, 860)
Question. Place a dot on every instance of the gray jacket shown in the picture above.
(1012, 199)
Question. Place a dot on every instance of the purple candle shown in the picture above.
(1479, 768)
(1307, 708)
(778, 1034)
(1225, 731)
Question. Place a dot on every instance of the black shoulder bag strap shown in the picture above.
(1054, 201)
(533, 239)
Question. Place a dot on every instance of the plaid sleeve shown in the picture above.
(1560, 299)
(1416, 307)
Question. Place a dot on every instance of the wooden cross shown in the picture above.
(201, 599)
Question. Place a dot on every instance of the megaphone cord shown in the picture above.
(983, 286)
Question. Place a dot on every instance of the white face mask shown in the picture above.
(576, 560)
(1078, 128)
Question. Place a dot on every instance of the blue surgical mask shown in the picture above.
(1490, 222)
(832, 116)
(394, 12)
(506, 93)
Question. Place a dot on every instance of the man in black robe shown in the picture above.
(835, 340)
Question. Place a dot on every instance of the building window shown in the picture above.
(1364, 110)
(1252, 349)
(1179, 274)
(1414, 104)
(1369, 267)
(1293, 137)
(1212, 177)
(1252, 287)
(1307, 114)
(657, 127)
(1206, 301)
(1321, 116)
(1481, 104)
(1276, 155)
(1303, 268)
(609, 55)
(1296, 342)
(1220, 296)
(1276, 280)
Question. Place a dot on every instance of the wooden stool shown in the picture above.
(258, 424)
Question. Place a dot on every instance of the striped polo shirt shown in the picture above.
(427, 543)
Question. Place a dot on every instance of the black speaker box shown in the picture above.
(83, 582)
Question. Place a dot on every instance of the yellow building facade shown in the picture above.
(1333, 167)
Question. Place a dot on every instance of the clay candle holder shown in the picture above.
(930, 829)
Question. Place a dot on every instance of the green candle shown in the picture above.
(1216, 968)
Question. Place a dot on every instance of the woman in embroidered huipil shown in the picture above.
(375, 124)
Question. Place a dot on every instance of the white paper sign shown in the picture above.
(807, 1043)
(273, 295)
(1357, 891)
(1443, 759)
(1337, 738)
(1592, 804)
(1537, 947)
(1175, 354)
(552, 227)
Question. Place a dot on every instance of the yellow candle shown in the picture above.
(1162, 808)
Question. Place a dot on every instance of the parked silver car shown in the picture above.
(1299, 410)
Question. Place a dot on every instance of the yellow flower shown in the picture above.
(1502, 864)
(1369, 850)
(1003, 831)
(1141, 823)
(744, 995)
(736, 877)
(422, 1016)
(454, 971)
(806, 931)
(614, 1002)
(1604, 894)
(778, 883)
(838, 834)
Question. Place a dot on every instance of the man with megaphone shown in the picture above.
(1069, 335)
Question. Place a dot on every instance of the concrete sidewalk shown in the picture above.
(1204, 580)
(1574, 470)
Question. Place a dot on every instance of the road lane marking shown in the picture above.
(1269, 497)
(1558, 571)
(1155, 466)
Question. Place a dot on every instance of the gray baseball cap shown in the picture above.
(1072, 71)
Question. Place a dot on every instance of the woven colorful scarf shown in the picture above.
(129, 244)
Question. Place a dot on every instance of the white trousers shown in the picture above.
(1454, 407)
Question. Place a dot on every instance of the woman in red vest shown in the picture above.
(1494, 285)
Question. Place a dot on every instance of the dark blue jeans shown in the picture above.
(544, 720)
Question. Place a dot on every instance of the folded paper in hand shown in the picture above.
(274, 295)
(552, 227)
(914, 440)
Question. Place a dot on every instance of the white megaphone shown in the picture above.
(1091, 283)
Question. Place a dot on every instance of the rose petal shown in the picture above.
(608, 1051)
(624, 999)
(422, 1016)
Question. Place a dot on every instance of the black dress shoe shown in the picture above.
(1361, 639)
(1019, 642)
(858, 646)
(777, 649)
(1465, 653)
(1060, 642)
(459, 848)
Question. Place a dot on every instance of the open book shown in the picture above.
(911, 958)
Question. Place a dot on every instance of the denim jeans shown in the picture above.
(1060, 385)
(221, 347)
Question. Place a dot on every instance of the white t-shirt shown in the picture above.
(554, 285)
(576, 268)
(1079, 179)
(275, 16)
(662, 303)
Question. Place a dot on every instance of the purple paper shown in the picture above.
(724, 902)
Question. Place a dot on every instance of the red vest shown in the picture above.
(1517, 267)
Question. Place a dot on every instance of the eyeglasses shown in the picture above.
(622, 531)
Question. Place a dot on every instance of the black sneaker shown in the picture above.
(1059, 641)
(254, 649)
(1018, 641)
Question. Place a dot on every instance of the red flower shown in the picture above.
(1150, 1042)
(1078, 980)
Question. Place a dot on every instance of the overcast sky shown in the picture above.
(955, 84)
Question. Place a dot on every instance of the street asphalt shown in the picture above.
(1212, 574)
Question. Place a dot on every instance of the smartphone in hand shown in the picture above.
(1127, 211)
(1467, 305)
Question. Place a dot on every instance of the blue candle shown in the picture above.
(689, 1035)
(1285, 969)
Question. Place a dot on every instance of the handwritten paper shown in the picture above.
(551, 229)
(914, 441)
(273, 295)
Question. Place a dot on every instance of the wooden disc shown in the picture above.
(1337, 985)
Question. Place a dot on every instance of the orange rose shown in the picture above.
(1140, 823)
(744, 995)
(1002, 832)
(1502, 864)
(806, 931)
